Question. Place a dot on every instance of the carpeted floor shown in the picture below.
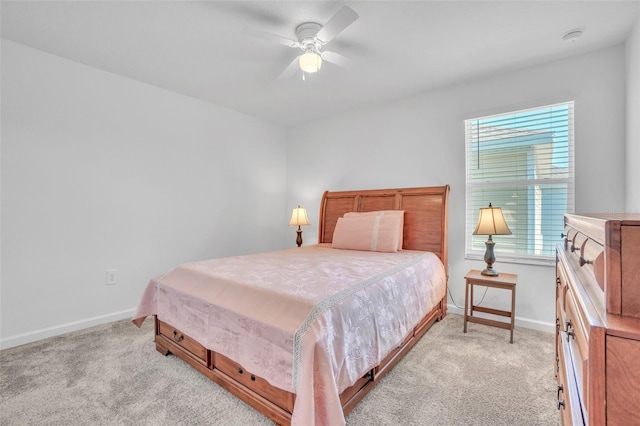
(112, 375)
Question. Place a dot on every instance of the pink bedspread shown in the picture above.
(309, 320)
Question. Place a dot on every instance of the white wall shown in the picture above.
(633, 120)
(101, 172)
(420, 141)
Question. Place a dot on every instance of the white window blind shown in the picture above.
(523, 162)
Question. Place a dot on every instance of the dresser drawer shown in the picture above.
(179, 338)
(591, 257)
(568, 400)
(576, 338)
(561, 288)
(569, 236)
(260, 386)
(576, 243)
(560, 319)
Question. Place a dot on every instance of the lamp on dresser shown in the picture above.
(299, 218)
(491, 222)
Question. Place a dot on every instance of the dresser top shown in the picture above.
(626, 218)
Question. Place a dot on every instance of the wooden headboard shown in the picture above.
(425, 217)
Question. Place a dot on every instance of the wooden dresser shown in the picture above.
(598, 320)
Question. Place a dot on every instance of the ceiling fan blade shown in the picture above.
(336, 59)
(341, 20)
(290, 70)
(271, 37)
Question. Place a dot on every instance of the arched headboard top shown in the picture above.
(425, 217)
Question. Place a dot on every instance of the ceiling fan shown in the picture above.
(311, 38)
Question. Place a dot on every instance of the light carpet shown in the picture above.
(112, 375)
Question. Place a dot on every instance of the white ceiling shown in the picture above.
(397, 48)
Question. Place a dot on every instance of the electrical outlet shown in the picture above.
(112, 277)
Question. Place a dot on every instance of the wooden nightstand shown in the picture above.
(504, 281)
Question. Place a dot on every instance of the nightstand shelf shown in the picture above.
(504, 281)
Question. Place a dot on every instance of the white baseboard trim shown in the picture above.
(33, 336)
(546, 327)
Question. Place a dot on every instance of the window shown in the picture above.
(521, 161)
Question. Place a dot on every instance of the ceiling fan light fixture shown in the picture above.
(310, 62)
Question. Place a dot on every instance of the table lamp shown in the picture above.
(299, 218)
(491, 222)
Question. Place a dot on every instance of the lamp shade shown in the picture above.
(299, 217)
(310, 62)
(491, 222)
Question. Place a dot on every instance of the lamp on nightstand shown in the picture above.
(491, 222)
(299, 218)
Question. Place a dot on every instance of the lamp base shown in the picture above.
(490, 272)
(299, 237)
(489, 258)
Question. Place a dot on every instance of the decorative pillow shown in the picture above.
(396, 213)
(371, 233)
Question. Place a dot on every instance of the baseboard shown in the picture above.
(22, 339)
(546, 327)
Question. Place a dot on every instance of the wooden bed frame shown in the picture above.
(425, 229)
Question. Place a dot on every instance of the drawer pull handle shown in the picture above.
(560, 401)
(562, 235)
(253, 378)
(583, 262)
(570, 334)
(240, 371)
(567, 325)
(176, 337)
(574, 248)
(560, 389)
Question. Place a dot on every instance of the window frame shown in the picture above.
(471, 211)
